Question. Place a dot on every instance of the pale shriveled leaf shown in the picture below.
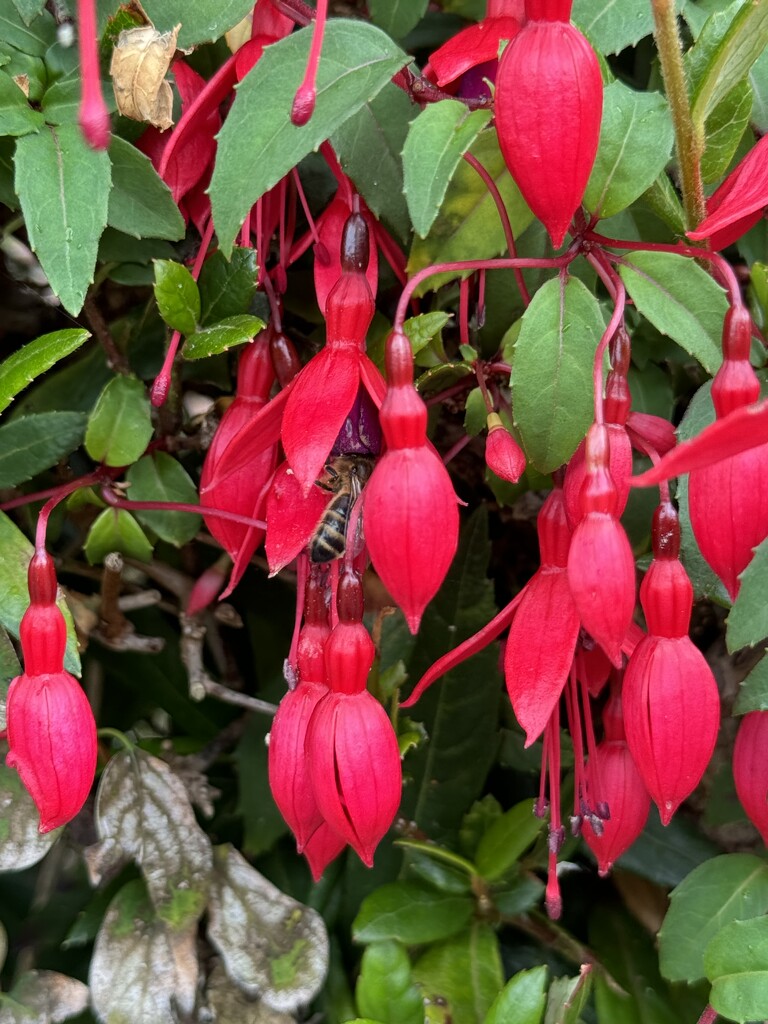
(26, 365)
(48, 998)
(21, 844)
(140, 62)
(147, 817)
(271, 945)
(231, 1006)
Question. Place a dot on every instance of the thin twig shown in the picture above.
(115, 358)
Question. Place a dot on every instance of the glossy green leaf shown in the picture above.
(736, 962)
(725, 127)
(747, 621)
(16, 115)
(159, 477)
(680, 299)
(420, 330)
(518, 897)
(116, 530)
(636, 139)
(120, 426)
(380, 126)
(732, 887)
(30, 444)
(506, 840)
(412, 914)
(200, 22)
(385, 990)
(753, 693)
(31, 361)
(465, 972)
(521, 1000)
(758, 80)
(613, 27)
(63, 186)
(140, 203)
(258, 145)
(437, 140)
(227, 286)
(666, 854)
(210, 341)
(397, 17)
(662, 200)
(567, 999)
(552, 371)
(475, 413)
(177, 295)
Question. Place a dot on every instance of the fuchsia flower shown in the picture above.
(549, 101)
(739, 202)
(503, 455)
(670, 699)
(330, 230)
(750, 769)
(51, 731)
(476, 48)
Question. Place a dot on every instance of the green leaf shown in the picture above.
(120, 426)
(437, 140)
(747, 621)
(725, 127)
(29, 9)
(200, 22)
(665, 854)
(468, 225)
(662, 200)
(7, 191)
(177, 295)
(33, 443)
(613, 27)
(506, 840)
(384, 987)
(63, 186)
(465, 972)
(397, 17)
(758, 79)
(380, 127)
(30, 362)
(33, 37)
(552, 371)
(475, 413)
(567, 999)
(736, 962)
(411, 913)
(140, 203)
(727, 47)
(114, 529)
(210, 341)
(258, 145)
(732, 887)
(227, 286)
(753, 693)
(521, 1000)
(16, 115)
(159, 477)
(680, 299)
(636, 139)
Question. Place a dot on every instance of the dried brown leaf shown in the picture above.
(140, 62)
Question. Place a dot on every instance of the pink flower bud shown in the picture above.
(620, 466)
(323, 846)
(613, 779)
(549, 100)
(750, 769)
(503, 455)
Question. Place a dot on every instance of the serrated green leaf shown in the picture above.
(468, 225)
(16, 115)
(159, 477)
(736, 962)
(747, 621)
(437, 140)
(725, 127)
(177, 295)
(465, 972)
(732, 887)
(662, 200)
(753, 692)
(506, 840)
(140, 203)
(30, 362)
(63, 186)
(258, 145)
(613, 27)
(522, 999)
(29, 9)
(380, 127)
(636, 139)
(210, 341)
(384, 987)
(30, 444)
(412, 914)
(227, 286)
(397, 17)
(200, 22)
(32, 38)
(680, 299)
(114, 529)
(552, 371)
(120, 426)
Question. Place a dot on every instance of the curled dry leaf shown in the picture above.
(143, 813)
(229, 1005)
(271, 945)
(140, 62)
(21, 845)
(45, 997)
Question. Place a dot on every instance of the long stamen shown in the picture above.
(93, 116)
(306, 95)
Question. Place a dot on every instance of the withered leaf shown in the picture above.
(21, 845)
(44, 997)
(229, 1005)
(140, 62)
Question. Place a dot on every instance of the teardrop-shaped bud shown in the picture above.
(750, 769)
(619, 465)
(503, 455)
(613, 779)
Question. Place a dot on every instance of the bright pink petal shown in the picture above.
(474, 45)
(739, 202)
(292, 517)
(260, 433)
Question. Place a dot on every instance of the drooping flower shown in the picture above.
(476, 49)
(750, 769)
(739, 202)
(549, 100)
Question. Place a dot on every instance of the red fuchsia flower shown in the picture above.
(591, 664)
(543, 635)
(613, 782)
(51, 731)
(503, 455)
(245, 491)
(472, 54)
(750, 769)
(670, 699)
(739, 202)
(330, 229)
(549, 101)
(410, 517)
(601, 569)
(93, 116)
(352, 749)
(322, 847)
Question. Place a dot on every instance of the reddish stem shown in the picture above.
(709, 1016)
(57, 495)
(613, 326)
(179, 506)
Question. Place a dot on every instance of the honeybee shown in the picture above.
(345, 477)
